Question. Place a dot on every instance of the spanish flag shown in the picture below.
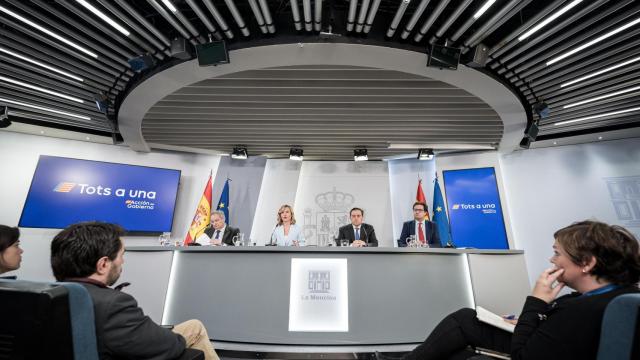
(202, 218)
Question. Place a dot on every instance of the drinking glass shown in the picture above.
(344, 242)
(165, 239)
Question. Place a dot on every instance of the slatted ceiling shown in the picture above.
(312, 111)
(314, 94)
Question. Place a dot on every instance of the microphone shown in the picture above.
(271, 238)
(366, 236)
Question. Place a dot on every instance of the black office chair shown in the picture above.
(44, 320)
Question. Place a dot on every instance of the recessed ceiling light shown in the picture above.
(2, 100)
(104, 17)
(555, 143)
(37, 88)
(594, 41)
(21, 57)
(600, 72)
(88, 138)
(616, 93)
(296, 154)
(48, 32)
(360, 155)
(549, 19)
(483, 9)
(598, 116)
(41, 131)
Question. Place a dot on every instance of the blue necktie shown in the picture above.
(357, 233)
(217, 234)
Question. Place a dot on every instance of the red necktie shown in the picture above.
(420, 233)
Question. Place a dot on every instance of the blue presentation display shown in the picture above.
(475, 212)
(65, 191)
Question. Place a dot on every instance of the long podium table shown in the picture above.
(396, 296)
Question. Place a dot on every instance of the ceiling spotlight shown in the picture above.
(102, 102)
(141, 63)
(542, 109)
(4, 117)
(360, 155)
(425, 154)
(295, 154)
(239, 153)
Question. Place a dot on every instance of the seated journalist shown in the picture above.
(358, 233)
(91, 254)
(217, 232)
(425, 231)
(10, 251)
(287, 232)
(597, 260)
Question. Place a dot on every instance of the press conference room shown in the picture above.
(374, 179)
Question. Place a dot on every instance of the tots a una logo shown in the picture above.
(64, 187)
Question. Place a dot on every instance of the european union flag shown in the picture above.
(223, 203)
(440, 215)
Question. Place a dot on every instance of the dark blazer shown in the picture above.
(367, 234)
(227, 237)
(124, 332)
(430, 231)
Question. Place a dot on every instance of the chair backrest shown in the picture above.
(43, 320)
(620, 336)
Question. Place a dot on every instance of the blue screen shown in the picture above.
(475, 212)
(66, 191)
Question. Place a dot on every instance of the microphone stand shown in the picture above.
(366, 236)
(271, 238)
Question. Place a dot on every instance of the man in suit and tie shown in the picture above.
(217, 233)
(358, 233)
(425, 231)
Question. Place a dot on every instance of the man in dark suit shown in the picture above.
(92, 254)
(217, 233)
(426, 231)
(358, 233)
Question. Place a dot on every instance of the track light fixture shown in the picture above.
(425, 154)
(102, 102)
(4, 117)
(360, 155)
(295, 154)
(239, 153)
(141, 63)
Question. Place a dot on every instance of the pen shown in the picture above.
(510, 317)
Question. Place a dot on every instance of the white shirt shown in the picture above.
(354, 231)
(424, 226)
(204, 239)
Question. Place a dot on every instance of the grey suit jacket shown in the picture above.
(124, 332)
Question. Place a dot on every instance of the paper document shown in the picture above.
(490, 318)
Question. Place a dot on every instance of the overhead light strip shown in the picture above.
(625, 91)
(594, 41)
(483, 9)
(48, 32)
(104, 17)
(2, 100)
(169, 5)
(21, 57)
(37, 88)
(600, 72)
(549, 19)
(597, 116)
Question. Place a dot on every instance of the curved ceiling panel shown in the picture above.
(325, 110)
(580, 57)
